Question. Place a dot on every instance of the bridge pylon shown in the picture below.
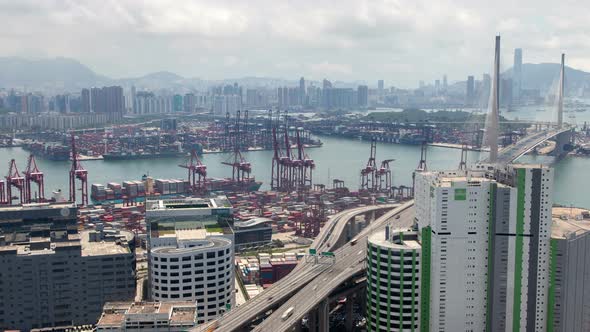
(493, 119)
(560, 93)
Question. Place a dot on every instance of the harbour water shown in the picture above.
(338, 158)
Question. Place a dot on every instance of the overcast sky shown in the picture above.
(401, 41)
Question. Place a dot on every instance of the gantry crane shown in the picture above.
(197, 173)
(33, 174)
(14, 179)
(368, 173)
(77, 172)
(383, 177)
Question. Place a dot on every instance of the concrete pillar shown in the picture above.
(352, 227)
(312, 320)
(349, 312)
(324, 316)
(362, 298)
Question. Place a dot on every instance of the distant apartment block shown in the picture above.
(57, 121)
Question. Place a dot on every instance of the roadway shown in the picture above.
(302, 274)
(350, 261)
(512, 152)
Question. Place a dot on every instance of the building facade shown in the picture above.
(569, 276)
(488, 235)
(393, 281)
(147, 316)
(53, 276)
(191, 253)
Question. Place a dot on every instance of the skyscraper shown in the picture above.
(445, 84)
(85, 97)
(302, 91)
(363, 95)
(517, 77)
(487, 232)
(380, 85)
(569, 276)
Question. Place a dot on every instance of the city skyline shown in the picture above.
(223, 39)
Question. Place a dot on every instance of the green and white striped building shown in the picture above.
(485, 237)
(393, 281)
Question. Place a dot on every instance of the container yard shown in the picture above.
(167, 138)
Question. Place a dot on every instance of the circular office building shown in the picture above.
(195, 269)
(393, 281)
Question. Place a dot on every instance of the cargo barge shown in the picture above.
(50, 151)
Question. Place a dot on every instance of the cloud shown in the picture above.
(396, 40)
(328, 69)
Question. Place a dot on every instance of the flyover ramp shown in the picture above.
(350, 262)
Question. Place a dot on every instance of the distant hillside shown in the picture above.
(46, 73)
(542, 75)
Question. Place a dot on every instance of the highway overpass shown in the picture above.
(528, 143)
(330, 237)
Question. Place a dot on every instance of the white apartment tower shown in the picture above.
(488, 234)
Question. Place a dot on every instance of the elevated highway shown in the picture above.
(329, 238)
(527, 144)
(350, 262)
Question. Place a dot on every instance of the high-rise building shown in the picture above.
(569, 276)
(326, 84)
(85, 96)
(133, 101)
(487, 231)
(470, 94)
(437, 90)
(445, 84)
(302, 96)
(380, 85)
(107, 100)
(53, 276)
(191, 253)
(363, 95)
(517, 75)
(393, 281)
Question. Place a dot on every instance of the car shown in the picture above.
(287, 313)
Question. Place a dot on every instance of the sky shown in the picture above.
(400, 41)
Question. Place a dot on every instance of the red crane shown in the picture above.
(368, 173)
(287, 163)
(383, 176)
(33, 174)
(241, 168)
(307, 167)
(197, 173)
(275, 180)
(77, 172)
(14, 179)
